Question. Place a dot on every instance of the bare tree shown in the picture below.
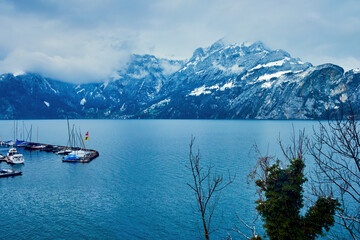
(336, 150)
(250, 227)
(206, 187)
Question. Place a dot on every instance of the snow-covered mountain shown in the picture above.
(233, 81)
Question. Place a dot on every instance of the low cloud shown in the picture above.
(93, 67)
(169, 68)
(347, 63)
(86, 41)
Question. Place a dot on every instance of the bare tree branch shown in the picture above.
(205, 186)
(336, 150)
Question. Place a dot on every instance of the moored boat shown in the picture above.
(38, 147)
(77, 155)
(9, 173)
(64, 151)
(15, 157)
(18, 143)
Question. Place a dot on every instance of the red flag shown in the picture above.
(87, 136)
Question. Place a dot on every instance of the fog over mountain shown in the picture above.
(86, 41)
(222, 81)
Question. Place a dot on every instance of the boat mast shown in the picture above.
(82, 140)
(16, 130)
(69, 135)
(73, 136)
(23, 133)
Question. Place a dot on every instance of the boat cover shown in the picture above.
(71, 157)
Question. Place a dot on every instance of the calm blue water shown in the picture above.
(136, 188)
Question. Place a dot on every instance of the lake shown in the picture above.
(137, 187)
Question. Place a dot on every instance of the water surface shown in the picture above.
(136, 188)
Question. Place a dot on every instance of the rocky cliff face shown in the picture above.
(236, 81)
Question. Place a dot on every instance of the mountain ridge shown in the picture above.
(222, 81)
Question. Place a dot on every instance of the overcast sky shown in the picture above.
(87, 40)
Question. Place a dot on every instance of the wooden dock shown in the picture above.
(6, 159)
(55, 148)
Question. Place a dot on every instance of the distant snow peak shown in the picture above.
(247, 44)
(356, 70)
(83, 101)
(18, 73)
(217, 45)
(47, 104)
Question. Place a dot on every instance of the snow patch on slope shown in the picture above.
(207, 90)
(156, 105)
(273, 75)
(267, 85)
(80, 91)
(227, 85)
(271, 64)
(48, 84)
(199, 91)
(237, 69)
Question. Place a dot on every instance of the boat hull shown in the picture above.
(9, 173)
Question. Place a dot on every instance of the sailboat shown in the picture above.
(68, 148)
(77, 154)
(13, 156)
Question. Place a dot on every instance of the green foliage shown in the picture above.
(283, 201)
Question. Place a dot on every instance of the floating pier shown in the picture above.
(33, 146)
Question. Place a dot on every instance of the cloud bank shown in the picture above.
(87, 41)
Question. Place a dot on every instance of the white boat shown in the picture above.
(9, 173)
(15, 157)
(64, 152)
(77, 155)
(80, 153)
